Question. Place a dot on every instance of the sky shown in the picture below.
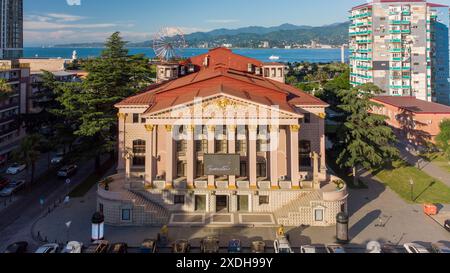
(49, 22)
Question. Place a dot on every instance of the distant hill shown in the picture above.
(253, 36)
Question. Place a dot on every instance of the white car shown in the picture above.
(282, 245)
(57, 159)
(312, 249)
(415, 248)
(48, 248)
(16, 168)
(12, 188)
(73, 247)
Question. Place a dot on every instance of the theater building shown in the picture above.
(221, 134)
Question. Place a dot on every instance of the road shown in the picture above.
(17, 219)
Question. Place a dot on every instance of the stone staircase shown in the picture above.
(292, 214)
(147, 212)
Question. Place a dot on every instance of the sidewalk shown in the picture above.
(425, 166)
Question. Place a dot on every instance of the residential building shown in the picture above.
(11, 29)
(402, 47)
(222, 139)
(11, 127)
(415, 122)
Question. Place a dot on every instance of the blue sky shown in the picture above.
(50, 22)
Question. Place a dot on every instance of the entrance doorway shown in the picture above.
(221, 203)
(200, 203)
(243, 203)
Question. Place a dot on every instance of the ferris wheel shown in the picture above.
(168, 43)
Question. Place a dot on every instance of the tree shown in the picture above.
(29, 153)
(112, 77)
(443, 138)
(367, 141)
(5, 89)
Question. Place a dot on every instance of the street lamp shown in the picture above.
(411, 183)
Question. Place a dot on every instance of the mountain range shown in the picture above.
(253, 36)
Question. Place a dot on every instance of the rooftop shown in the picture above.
(414, 105)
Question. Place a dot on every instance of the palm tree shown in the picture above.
(28, 152)
(5, 89)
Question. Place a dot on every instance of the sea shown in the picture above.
(285, 55)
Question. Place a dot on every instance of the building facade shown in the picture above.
(223, 139)
(402, 47)
(11, 130)
(11, 29)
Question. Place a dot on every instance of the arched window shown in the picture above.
(139, 146)
(305, 153)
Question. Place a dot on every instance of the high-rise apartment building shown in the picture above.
(11, 29)
(402, 47)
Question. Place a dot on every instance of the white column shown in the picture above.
(170, 157)
(232, 150)
(211, 150)
(149, 155)
(190, 156)
(274, 141)
(121, 142)
(294, 160)
(323, 163)
(252, 156)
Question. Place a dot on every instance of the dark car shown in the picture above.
(97, 247)
(118, 248)
(181, 246)
(19, 247)
(149, 246)
(3, 183)
(67, 171)
(447, 225)
(234, 246)
(391, 249)
(210, 245)
(258, 247)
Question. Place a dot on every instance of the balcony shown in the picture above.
(362, 15)
(403, 68)
(360, 33)
(399, 22)
(363, 41)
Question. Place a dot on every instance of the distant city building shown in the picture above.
(11, 132)
(265, 44)
(11, 29)
(227, 45)
(402, 47)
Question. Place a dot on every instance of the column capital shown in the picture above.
(274, 128)
(322, 115)
(169, 128)
(252, 128)
(211, 128)
(190, 128)
(149, 127)
(231, 128)
(295, 128)
(122, 116)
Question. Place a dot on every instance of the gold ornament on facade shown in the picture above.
(149, 127)
(295, 128)
(211, 128)
(253, 128)
(322, 115)
(224, 103)
(169, 128)
(121, 115)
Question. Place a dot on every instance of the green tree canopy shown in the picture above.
(5, 89)
(443, 139)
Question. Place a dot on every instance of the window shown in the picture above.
(221, 146)
(100, 208)
(318, 215)
(181, 146)
(262, 145)
(307, 118)
(261, 169)
(243, 169)
(139, 146)
(241, 146)
(305, 154)
(139, 161)
(143, 120)
(200, 169)
(201, 146)
(264, 200)
(178, 199)
(181, 169)
(135, 118)
(126, 214)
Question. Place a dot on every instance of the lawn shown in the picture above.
(438, 159)
(426, 188)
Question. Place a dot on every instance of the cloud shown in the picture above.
(73, 2)
(54, 21)
(222, 21)
(65, 17)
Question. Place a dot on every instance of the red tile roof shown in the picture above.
(226, 74)
(414, 105)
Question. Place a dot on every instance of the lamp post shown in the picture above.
(411, 183)
(98, 221)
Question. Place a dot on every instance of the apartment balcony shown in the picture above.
(404, 68)
(365, 41)
(395, 40)
(400, 22)
(400, 31)
(361, 58)
(364, 67)
(362, 15)
(361, 76)
(361, 33)
(400, 86)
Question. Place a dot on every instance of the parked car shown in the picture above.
(67, 171)
(16, 168)
(389, 248)
(18, 247)
(181, 246)
(447, 225)
(440, 248)
(282, 245)
(12, 188)
(335, 249)
(48, 248)
(97, 247)
(312, 249)
(210, 245)
(3, 182)
(149, 246)
(73, 247)
(234, 246)
(57, 159)
(118, 248)
(258, 247)
(414, 248)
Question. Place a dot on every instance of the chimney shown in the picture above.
(250, 68)
(206, 61)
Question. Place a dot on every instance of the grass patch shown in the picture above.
(94, 178)
(438, 159)
(426, 188)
